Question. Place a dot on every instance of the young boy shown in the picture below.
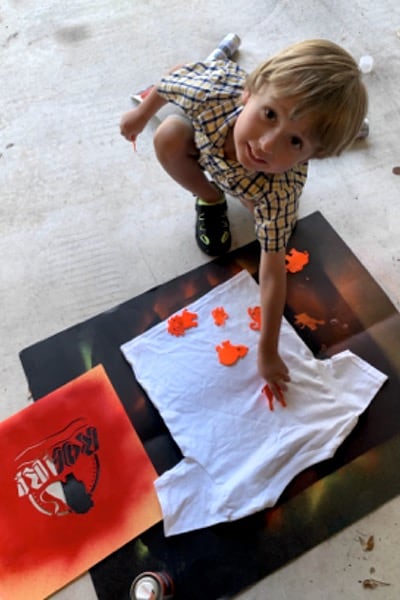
(251, 137)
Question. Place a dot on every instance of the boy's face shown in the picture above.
(266, 139)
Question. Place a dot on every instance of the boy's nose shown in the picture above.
(269, 142)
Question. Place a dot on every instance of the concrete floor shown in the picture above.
(86, 223)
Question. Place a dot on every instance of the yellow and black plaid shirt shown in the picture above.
(210, 95)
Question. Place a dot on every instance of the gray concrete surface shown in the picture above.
(86, 223)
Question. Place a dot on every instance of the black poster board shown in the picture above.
(334, 304)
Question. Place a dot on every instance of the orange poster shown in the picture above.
(76, 484)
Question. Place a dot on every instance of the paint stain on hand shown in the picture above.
(270, 397)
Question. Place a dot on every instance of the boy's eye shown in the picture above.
(270, 114)
(296, 142)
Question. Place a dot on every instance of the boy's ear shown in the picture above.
(245, 95)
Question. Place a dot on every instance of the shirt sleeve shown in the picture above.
(275, 214)
(193, 86)
(189, 498)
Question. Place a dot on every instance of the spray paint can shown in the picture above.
(226, 48)
(152, 586)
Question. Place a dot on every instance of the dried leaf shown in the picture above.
(368, 544)
(372, 584)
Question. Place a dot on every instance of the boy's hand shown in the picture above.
(132, 123)
(274, 371)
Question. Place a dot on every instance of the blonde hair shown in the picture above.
(326, 83)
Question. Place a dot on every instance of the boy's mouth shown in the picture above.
(255, 158)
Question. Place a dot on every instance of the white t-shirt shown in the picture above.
(238, 454)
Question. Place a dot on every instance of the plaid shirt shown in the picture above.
(210, 95)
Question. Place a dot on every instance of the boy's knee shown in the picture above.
(163, 137)
(173, 137)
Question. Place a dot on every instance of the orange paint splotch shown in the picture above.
(229, 354)
(177, 324)
(270, 396)
(304, 320)
(219, 315)
(296, 260)
(255, 316)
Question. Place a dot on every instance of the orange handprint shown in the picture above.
(255, 314)
(228, 354)
(219, 315)
(296, 260)
(177, 324)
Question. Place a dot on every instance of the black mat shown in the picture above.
(334, 288)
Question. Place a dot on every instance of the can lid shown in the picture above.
(144, 590)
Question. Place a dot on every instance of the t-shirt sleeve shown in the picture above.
(185, 491)
(193, 86)
(275, 214)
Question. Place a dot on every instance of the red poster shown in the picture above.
(76, 484)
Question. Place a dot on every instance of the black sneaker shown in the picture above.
(213, 235)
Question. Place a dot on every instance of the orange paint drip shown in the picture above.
(255, 315)
(270, 396)
(296, 260)
(229, 354)
(219, 315)
(177, 324)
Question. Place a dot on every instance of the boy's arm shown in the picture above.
(272, 280)
(134, 121)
